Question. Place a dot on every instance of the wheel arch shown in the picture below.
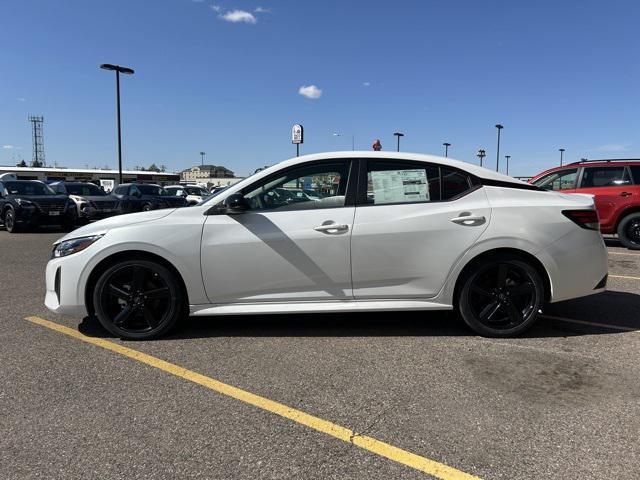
(623, 214)
(497, 253)
(114, 258)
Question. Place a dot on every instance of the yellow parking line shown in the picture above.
(625, 277)
(624, 253)
(591, 324)
(431, 467)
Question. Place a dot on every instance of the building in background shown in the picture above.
(107, 178)
(209, 175)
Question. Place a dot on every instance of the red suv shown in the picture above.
(616, 186)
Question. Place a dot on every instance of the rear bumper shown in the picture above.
(577, 265)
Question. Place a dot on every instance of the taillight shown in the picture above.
(583, 218)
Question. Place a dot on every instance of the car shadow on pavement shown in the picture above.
(606, 313)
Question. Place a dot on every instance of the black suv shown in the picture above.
(29, 203)
(142, 197)
(92, 202)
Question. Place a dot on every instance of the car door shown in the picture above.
(282, 250)
(612, 188)
(413, 221)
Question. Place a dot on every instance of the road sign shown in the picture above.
(297, 134)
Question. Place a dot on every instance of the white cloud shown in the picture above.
(310, 91)
(366, 84)
(262, 10)
(613, 147)
(239, 16)
(21, 99)
(10, 147)
(215, 8)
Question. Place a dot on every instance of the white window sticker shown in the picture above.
(399, 186)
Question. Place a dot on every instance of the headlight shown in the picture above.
(24, 203)
(75, 245)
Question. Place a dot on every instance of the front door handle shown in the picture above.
(331, 228)
(625, 194)
(469, 220)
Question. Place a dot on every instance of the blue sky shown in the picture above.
(224, 77)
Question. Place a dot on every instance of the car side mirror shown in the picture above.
(234, 204)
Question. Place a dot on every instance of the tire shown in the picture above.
(10, 223)
(138, 300)
(147, 207)
(501, 296)
(629, 231)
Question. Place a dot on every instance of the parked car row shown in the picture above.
(26, 204)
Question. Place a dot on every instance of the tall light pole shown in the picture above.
(561, 150)
(481, 154)
(507, 157)
(499, 127)
(127, 71)
(353, 140)
(202, 154)
(446, 148)
(398, 134)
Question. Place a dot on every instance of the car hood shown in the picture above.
(103, 226)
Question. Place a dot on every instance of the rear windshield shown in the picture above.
(84, 190)
(28, 188)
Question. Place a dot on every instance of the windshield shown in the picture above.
(28, 188)
(84, 189)
(153, 190)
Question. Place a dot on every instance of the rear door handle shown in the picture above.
(469, 220)
(332, 228)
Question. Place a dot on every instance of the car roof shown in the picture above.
(471, 168)
(590, 163)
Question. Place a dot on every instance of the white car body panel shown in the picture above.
(392, 257)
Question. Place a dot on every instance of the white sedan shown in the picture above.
(387, 232)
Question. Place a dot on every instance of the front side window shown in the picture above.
(152, 190)
(302, 188)
(561, 180)
(594, 177)
(401, 182)
(121, 190)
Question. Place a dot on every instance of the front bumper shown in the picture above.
(36, 216)
(62, 288)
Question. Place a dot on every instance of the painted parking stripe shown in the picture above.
(591, 324)
(624, 253)
(625, 277)
(431, 467)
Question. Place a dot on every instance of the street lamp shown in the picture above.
(398, 134)
(202, 154)
(127, 71)
(507, 157)
(353, 140)
(481, 154)
(561, 150)
(499, 127)
(446, 148)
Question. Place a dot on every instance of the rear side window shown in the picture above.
(398, 182)
(635, 173)
(594, 177)
(454, 183)
(560, 180)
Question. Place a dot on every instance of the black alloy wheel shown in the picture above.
(629, 231)
(10, 221)
(501, 297)
(147, 207)
(138, 300)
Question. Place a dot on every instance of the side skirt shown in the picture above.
(315, 307)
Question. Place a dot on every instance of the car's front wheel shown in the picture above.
(10, 223)
(501, 297)
(138, 299)
(629, 231)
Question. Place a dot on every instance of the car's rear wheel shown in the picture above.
(10, 223)
(138, 300)
(629, 231)
(501, 297)
(146, 207)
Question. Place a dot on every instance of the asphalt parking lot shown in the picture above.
(561, 402)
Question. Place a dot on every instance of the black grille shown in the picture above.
(51, 206)
(101, 205)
